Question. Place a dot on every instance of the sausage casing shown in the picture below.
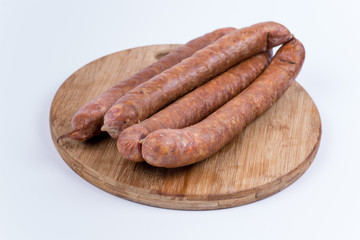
(149, 97)
(194, 106)
(87, 121)
(179, 147)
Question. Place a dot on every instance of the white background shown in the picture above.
(43, 42)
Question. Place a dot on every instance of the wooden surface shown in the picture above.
(270, 154)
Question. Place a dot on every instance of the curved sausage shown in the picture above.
(194, 106)
(149, 97)
(179, 147)
(88, 120)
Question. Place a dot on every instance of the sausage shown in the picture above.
(179, 147)
(194, 106)
(88, 120)
(149, 97)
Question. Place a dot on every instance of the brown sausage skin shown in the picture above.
(194, 106)
(88, 120)
(179, 147)
(149, 97)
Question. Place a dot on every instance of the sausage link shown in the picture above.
(179, 147)
(88, 120)
(149, 97)
(194, 106)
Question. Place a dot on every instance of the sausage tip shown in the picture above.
(129, 143)
(113, 132)
(68, 135)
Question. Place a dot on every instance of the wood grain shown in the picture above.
(270, 154)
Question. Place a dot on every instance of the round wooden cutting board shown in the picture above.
(270, 154)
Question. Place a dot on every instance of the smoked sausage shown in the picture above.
(149, 97)
(179, 147)
(194, 106)
(88, 120)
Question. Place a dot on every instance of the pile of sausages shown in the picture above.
(188, 105)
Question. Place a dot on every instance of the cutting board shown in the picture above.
(269, 155)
